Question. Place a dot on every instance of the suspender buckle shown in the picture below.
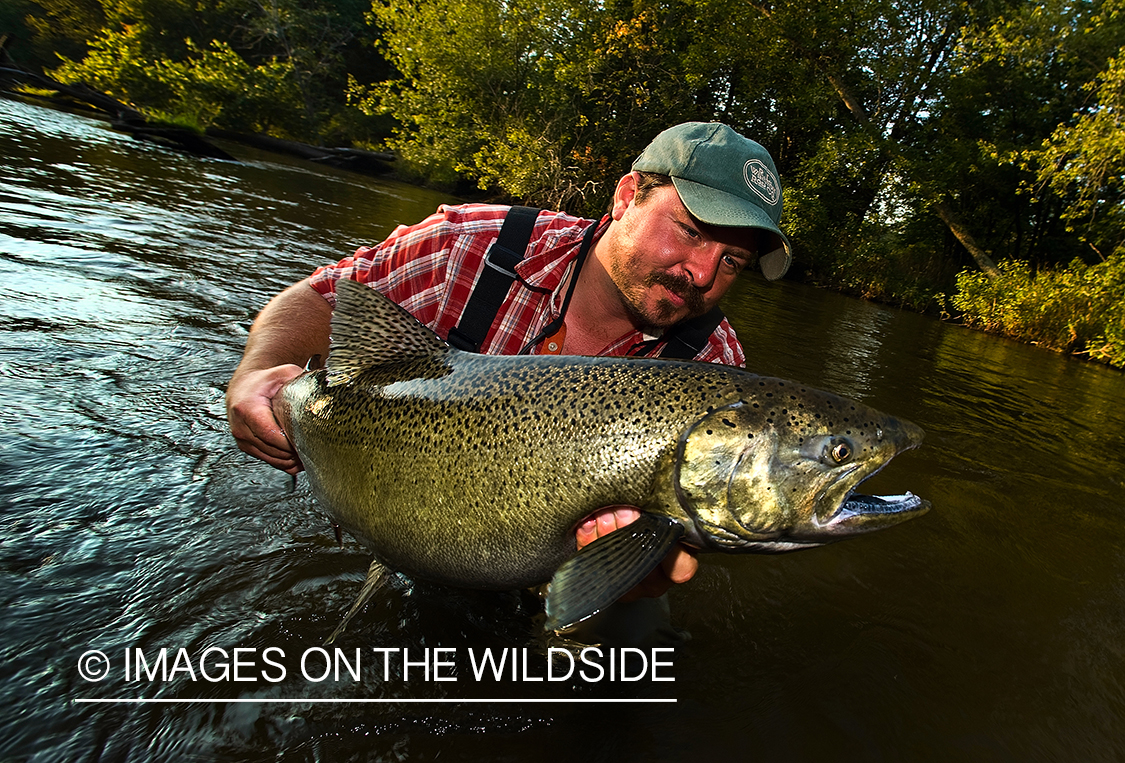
(503, 259)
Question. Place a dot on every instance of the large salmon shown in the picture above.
(474, 470)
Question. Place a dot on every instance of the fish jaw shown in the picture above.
(767, 477)
(865, 513)
(842, 512)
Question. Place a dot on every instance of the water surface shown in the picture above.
(990, 629)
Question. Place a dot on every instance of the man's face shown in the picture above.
(667, 265)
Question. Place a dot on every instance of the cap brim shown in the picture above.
(716, 207)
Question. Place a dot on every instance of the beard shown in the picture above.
(663, 314)
(633, 277)
(682, 288)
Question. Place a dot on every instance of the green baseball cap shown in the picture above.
(723, 179)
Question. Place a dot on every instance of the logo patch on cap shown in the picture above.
(762, 181)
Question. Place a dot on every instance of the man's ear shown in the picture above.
(624, 194)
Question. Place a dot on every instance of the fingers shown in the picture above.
(679, 566)
(279, 458)
(605, 521)
(251, 417)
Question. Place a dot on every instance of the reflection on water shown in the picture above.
(987, 630)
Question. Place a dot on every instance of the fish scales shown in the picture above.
(475, 470)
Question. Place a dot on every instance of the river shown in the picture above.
(990, 629)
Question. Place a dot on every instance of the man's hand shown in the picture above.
(678, 567)
(252, 421)
(292, 328)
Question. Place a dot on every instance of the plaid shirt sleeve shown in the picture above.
(419, 266)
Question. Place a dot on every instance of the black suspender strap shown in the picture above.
(684, 340)
(557, 323)
(495, 280)
(687, 339)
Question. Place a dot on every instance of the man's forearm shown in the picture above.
(293, 327)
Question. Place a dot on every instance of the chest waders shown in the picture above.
(685, 340)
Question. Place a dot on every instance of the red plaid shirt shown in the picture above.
(430, 269)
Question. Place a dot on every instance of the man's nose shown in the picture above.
(702, 265)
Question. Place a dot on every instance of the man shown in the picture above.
(700, 204)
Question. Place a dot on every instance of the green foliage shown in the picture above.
(275, 67)
(629, 81)
(1077, 309)
(1025, 77)
(1085, 162)
(1004, 116)
(208, 86)
(55, 27)
(118, 63)
(477, 97)
(217, 86)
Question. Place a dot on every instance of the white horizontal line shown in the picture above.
(380, 700)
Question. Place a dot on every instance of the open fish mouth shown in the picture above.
(857, 514)
(856, 507)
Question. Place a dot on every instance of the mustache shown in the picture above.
(681, 287)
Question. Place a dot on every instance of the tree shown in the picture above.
(272, 66)
(888, 64)
(476, 95)
(61, 27)
(1084, 161)
(1024, 80)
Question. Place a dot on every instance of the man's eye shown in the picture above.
(690, 232)
(734, 263)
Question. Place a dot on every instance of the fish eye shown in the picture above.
(841, 452)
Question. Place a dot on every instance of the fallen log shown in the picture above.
(122, 116)
(353, 159)
(175, 138)
(78, 92)
(128, 119)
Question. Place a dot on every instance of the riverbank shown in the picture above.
(1078, 310)
(14, 83)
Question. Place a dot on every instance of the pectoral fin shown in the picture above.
(377, 574)
(605, 570)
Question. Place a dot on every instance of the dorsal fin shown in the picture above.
(370, 330)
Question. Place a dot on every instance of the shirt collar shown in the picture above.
(546, 270)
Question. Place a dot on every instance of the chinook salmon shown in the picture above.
(475, 470)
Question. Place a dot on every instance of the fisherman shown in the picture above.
(700, 204)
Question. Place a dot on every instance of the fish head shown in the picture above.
(777, 470)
